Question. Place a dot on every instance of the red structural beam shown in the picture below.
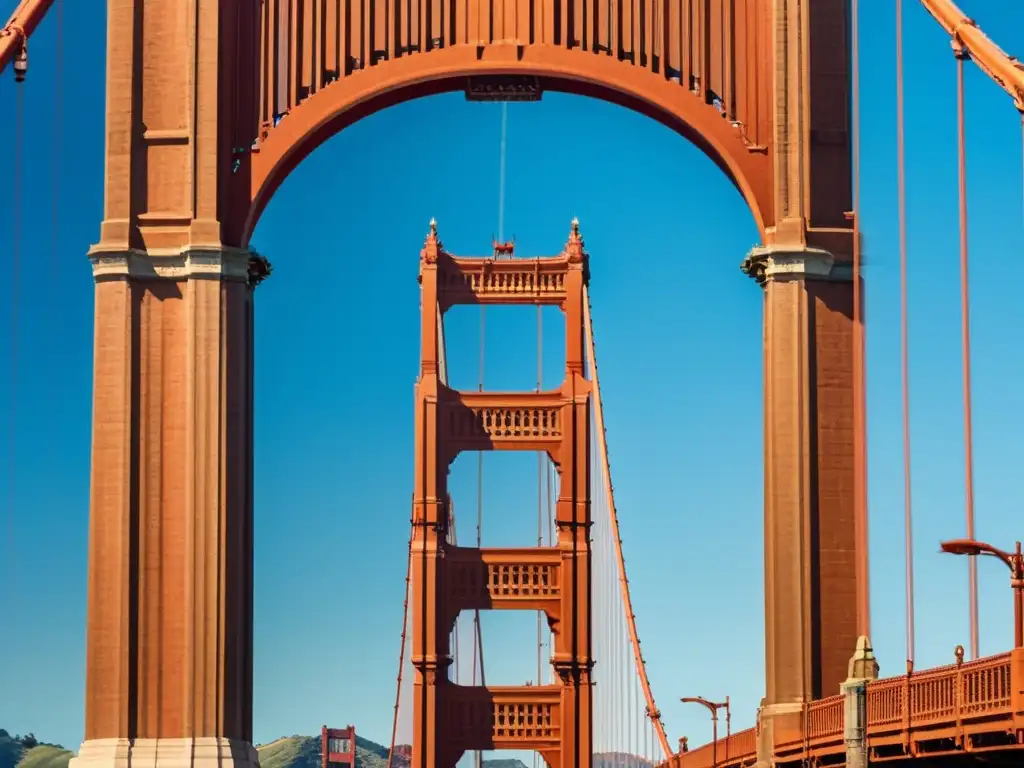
(1006, 70)
(19, 28)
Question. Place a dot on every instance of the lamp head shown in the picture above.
(961, 547)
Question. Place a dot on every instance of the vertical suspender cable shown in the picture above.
(549, 490)
(12, 414)
(860, 417)
(58, 119)
(901, 193)
(478, 643)
(965, 344)
(540, 490)
(501, 170)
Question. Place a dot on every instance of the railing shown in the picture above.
(942, 699)
(487, 281)
(944, 706)
(505, 575)
(504, 717)
(474, 420)
(823, 729)
(738, 749)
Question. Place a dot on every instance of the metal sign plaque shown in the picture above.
(503, 88)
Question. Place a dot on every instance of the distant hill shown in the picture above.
(28, 752)
(286, 752)
(621, 760)
(304, 752)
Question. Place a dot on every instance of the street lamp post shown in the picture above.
(1014, 561)
(713, 707)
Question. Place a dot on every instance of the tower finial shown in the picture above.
(432, 246)
(574, 246)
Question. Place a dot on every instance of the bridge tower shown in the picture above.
(196, 147)
(338, 747)
(449, 719)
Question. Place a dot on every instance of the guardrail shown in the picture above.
(966, 706)
(738, 749)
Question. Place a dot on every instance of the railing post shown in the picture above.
(863, 668)
(958, 696)
(1017, 691)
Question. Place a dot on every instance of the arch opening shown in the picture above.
(379, 247)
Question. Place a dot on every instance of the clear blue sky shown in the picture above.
(679, 335)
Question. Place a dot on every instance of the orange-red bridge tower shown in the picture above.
(450, 719)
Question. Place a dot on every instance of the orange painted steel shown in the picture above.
(606, 478)
(19, 28)
(760, 87)
(974, 706)
(696, 70)
(738, 749)
(1004, 69)
(451, 719)
(965, 346)
(901, 213)
(860, 429)
(442, 376)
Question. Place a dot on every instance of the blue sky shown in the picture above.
(678, 329)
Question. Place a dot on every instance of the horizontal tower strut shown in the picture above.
(490, 280)
(505, 717)
(527, 578)
(517, 421)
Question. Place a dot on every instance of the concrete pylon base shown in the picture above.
(206, 752)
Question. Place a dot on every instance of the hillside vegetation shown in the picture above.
(27, 752)
(286, 752)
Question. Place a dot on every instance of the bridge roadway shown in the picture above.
(967, 710)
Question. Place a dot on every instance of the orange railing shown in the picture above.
(823, 730)
(946, 702)
(738, 749)
(944, 705)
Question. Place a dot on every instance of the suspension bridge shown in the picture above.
(264, 82)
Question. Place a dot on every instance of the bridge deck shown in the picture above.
(969, 708)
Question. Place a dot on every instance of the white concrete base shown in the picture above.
(205, 752)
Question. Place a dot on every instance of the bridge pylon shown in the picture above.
(448, 719)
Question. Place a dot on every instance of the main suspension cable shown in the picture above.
(401, 652)
(613, 520)
(965, 344)
(478, 641)
(901, 207)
